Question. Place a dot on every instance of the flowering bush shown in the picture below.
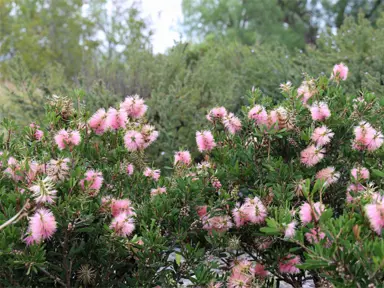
(285, 193)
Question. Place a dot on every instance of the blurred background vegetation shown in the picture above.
(63, 46)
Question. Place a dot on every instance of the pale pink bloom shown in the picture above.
(242, 266)
(312, 155)
(239, 217)
(375, 214)
(14, 169)
(34, 170)
(258, 114)
(116, 119)
(322, 135)
(92, 182)
(376, 142)
(340, 72)
(290, 230)
(38, 134)
(123, 225)
(259, 270)
(314, 235)
(287, 264)
(239, 280)
(42, 225)
(133, 141)
(158, 191)
(307, 214)
(328, 175)
(232, 123)
(205, 141)
(149, 135)
(213, 285)
(217, 113)
(154, 174)
(134, 106)
(66, 138)
(121, 206)
(98, 122)
(58, 170)
(218, 224)
(130, 169)
(216, 183)
(273, 119)
(354, 188)
(320, 111)
(182, 157)
(253, 210)
(306, 90)
(360, 173)
(44, 191)
(202, 211)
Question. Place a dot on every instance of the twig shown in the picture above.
(57, 279)
(15, 218)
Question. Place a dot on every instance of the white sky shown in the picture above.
(165, 16)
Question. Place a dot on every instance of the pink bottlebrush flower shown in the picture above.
(376, 142)
(290, 230)
(66, 139)
(259, 114)
(314, 235)
(307, 214)
(202, 211)
(38, 134)
(239, 280)
(375, 214)
(116, 119)
(340, 72)
(123, 225)
(360, 173)
(232, 123)
(133, 141)
(273, 119)
(287, 264)
(34, 170)
(255, 210)
(158, 191)
(121, 206)
(306, 90)
(354, 189)
(98, 122)
(42, 225)
(242, 267)
(149, 135)
(134, 106)
(312, 155)
(322, 135)
(14, 170)
(154, 174)
(218, 224)
(259, 270)
(205, 141)
(320, 111)
(44, 191)
(239, 217)
(92, 182)
(217, 113)
(182, 157)
(329, 175)
(58, 170)
(130, 169)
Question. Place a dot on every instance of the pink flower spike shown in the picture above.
(98, 122)
(328, 175)
(205, 141)
(340, 72)
(42, 225)
(217, 113)
(322, 136)
(116, 119)
(312, 155)
(360, 173)
(134, 106)
(130, 169)
(258, 114)
(133, 141)
(320, 111)
(121, 206)
(232, 123)
(183, 157)
(158, 191)
(154, 174)
(92, 182)
(123, 225)
(287, 264)
(290, 230)
(375, 214)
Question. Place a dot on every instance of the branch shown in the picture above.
(15, 218)
(57, 279)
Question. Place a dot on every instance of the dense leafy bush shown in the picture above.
(280, 194)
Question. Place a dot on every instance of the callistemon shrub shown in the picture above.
(289, 192)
